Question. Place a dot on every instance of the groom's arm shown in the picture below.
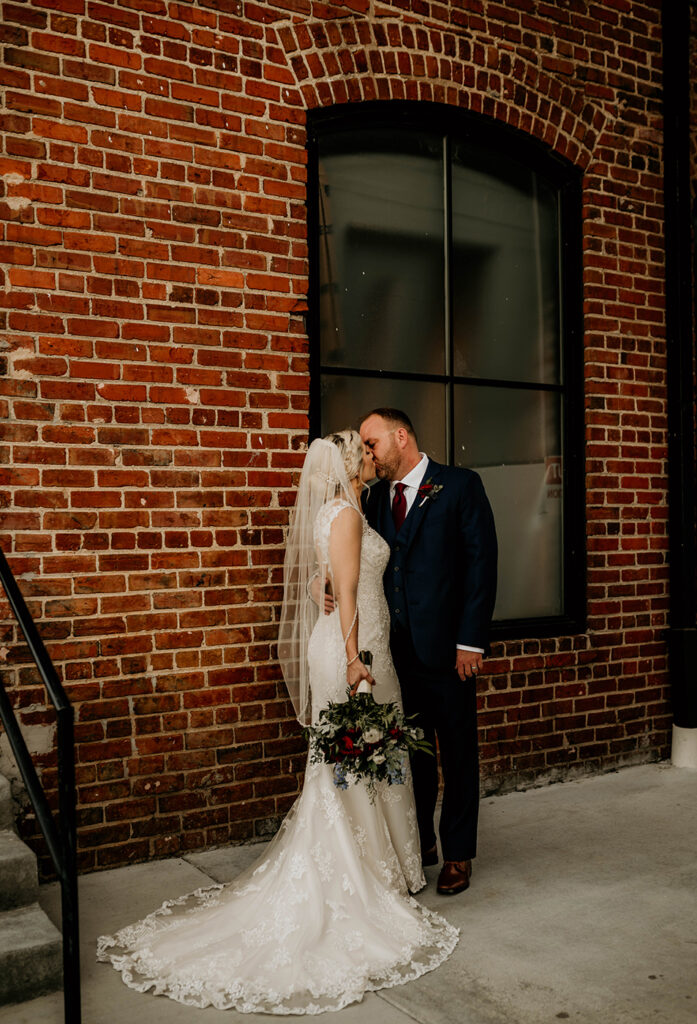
(477, 568)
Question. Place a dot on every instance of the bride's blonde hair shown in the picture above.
(350, 448)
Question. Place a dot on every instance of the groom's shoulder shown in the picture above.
(459, 476)
(376, 489)
(371, 497)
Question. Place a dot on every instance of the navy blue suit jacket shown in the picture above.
(443, 560)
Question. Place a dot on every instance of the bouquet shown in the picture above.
(364, 740)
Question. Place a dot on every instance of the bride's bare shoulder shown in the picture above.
(335, 511)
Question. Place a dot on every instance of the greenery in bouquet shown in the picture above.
(365, 741)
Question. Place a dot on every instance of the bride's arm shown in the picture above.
(345, 542)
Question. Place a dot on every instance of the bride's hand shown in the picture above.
(355, 673)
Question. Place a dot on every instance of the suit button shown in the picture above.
(396, 547)
(396, 611)
(396, 568)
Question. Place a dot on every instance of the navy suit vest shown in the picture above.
(394, 573)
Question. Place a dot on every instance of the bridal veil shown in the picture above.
(324, 479)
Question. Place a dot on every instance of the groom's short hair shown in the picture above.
(393, 416)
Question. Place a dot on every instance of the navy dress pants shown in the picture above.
(446, 708)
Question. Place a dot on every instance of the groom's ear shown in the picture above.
(401, 437)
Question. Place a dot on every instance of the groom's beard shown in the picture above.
(388, 467)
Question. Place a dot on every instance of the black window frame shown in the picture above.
(501, 139)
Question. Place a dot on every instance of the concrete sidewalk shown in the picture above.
(583, 907)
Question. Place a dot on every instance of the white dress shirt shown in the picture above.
(412, 482)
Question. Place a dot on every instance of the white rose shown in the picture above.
(377, 758)
(372, 735)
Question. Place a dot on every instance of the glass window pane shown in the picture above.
(381, 252)
(513, 439)
(505, 273)
(346, 399)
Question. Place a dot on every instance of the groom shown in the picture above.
(440, 584)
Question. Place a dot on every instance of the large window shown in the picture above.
(445, 281)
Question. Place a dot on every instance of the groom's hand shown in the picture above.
(468, 664)
(320, 591)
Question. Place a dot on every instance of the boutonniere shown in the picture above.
(428, 491)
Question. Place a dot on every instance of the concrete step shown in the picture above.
(7, 814)
(31, 959)
(19, 883)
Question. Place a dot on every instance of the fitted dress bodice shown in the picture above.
(326, 650)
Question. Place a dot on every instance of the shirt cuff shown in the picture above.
(465, 647)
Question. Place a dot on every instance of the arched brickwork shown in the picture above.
(357, 59)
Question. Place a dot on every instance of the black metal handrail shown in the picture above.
(61, 839)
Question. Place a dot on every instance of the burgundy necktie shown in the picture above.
(399, 506)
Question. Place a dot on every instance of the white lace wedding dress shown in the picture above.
(325, 914)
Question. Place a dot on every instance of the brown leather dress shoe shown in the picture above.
(429, 857)
(454, 877)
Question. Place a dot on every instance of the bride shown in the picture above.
(325, 914)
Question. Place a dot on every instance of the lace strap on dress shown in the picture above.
(326, 516)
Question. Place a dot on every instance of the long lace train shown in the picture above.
(325, 914)
(311, 927)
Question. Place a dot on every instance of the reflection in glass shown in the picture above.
(396, 299)
(381, 253)
(505, 271)
(513, 439)
(346, 399)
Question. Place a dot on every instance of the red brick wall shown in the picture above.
(155, 391)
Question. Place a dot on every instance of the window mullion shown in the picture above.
(448, 301)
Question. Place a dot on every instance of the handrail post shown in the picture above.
(61, 840)
(69, 896)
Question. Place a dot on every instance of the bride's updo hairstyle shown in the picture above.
(350, 448)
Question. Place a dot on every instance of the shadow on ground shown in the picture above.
(583, 907)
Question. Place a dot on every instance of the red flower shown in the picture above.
(428, 491)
